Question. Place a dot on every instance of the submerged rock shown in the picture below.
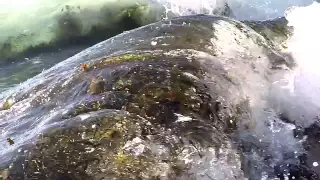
(159, 102)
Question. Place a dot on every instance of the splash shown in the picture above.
(242, 10)
(305, 40)
(189, 7)
(297, 98)
(304, 47)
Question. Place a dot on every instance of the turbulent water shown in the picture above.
(272, 145)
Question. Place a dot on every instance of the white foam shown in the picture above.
(305, 40)
(242, 9)
(188, 7)
(304, 46)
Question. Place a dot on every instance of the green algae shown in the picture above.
(151, 95)
(170, 91)
(8, 103)
(98, 148)
(120, 59)
(162, 88)
(145, 87)
(136, 57)
(130, 167)
(108, 100)
(97, 86)
(94, 150)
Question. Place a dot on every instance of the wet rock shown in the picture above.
(97, 86)
(275, 31)
(291, 171)
(119, 147)
(295, 165)
(312, 146)
(144, 110)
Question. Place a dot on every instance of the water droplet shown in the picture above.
(315, 164)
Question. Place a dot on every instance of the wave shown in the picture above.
(40, 26)
(37, 26)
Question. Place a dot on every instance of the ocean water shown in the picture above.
(243, 9)
(296, 93)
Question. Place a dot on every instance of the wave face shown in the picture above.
(302, 45)
(31, 27)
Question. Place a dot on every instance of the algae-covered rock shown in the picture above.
(120, 146)
(159, 102)
(276, 31)
(91, 150)
(164, 103)
(126, 146)
(97, 86)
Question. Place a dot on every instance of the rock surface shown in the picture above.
(163, 101)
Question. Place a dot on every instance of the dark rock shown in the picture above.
(312, 146)
(166, 97)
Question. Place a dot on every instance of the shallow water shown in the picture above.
(14, 73)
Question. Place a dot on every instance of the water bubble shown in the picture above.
(315, 164)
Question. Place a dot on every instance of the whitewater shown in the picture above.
(296, 93)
